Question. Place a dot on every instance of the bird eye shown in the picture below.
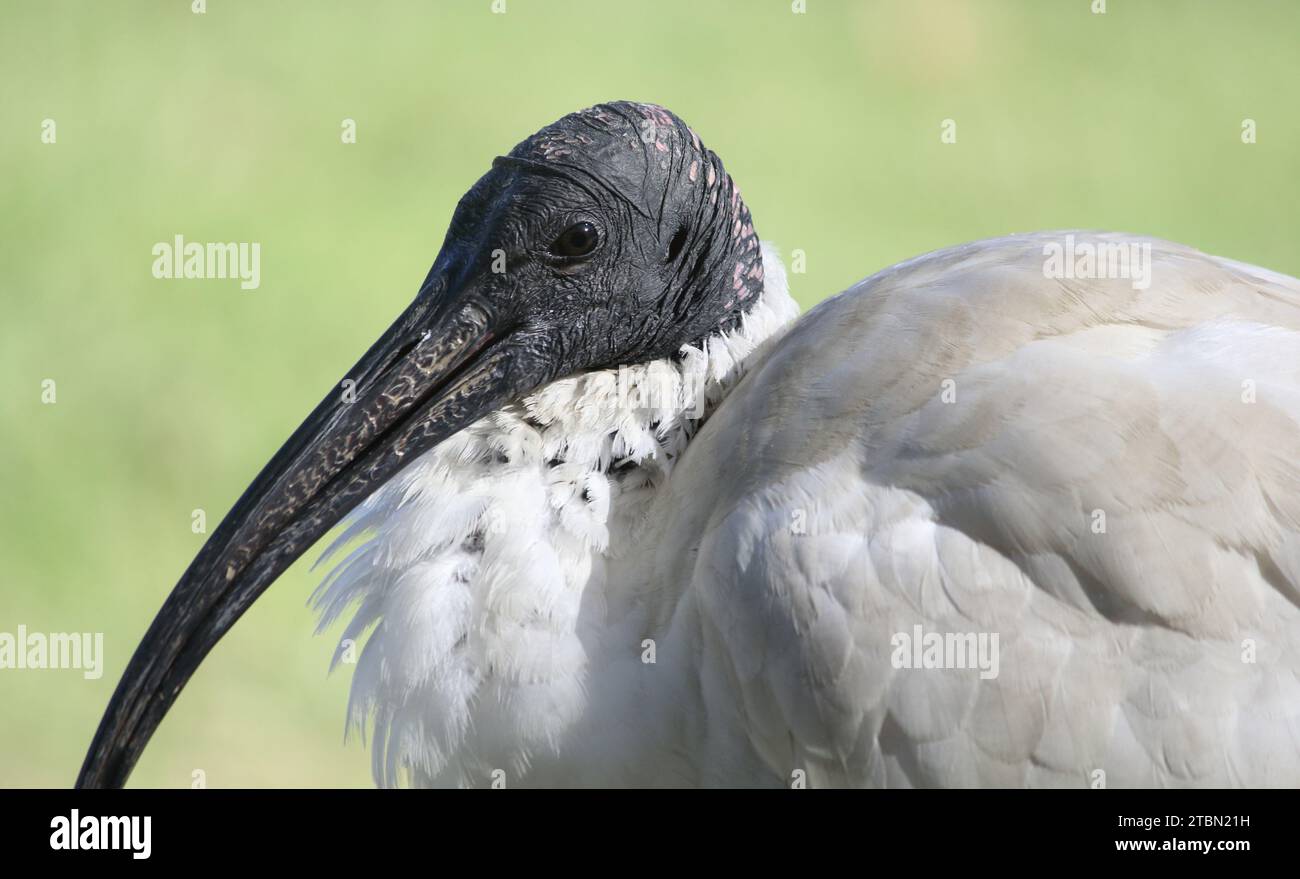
(579, 239)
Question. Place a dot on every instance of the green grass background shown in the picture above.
(225, 127)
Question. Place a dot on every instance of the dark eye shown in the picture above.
(579, 239)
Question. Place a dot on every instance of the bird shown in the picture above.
(1020, 512)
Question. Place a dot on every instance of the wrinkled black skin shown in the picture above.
(627, 302)
(471, 342)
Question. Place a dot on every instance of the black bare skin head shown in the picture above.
(621, 237)
(610, 237)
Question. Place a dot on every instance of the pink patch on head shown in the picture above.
(695, 170)
(711, 178)
(713, 199)
(735, 229)
(658, 115)
(659, 145)
(736, 282)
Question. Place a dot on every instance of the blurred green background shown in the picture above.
(226, 126)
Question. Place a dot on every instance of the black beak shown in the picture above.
(442, 365)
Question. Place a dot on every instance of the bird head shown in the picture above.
(612, 236)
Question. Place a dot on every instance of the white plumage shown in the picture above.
(1105, 476)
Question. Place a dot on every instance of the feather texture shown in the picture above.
(1105, 476)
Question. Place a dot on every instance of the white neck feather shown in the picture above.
(489, 567)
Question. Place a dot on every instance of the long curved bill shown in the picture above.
(441, 366)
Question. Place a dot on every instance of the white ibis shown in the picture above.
(999, 515)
